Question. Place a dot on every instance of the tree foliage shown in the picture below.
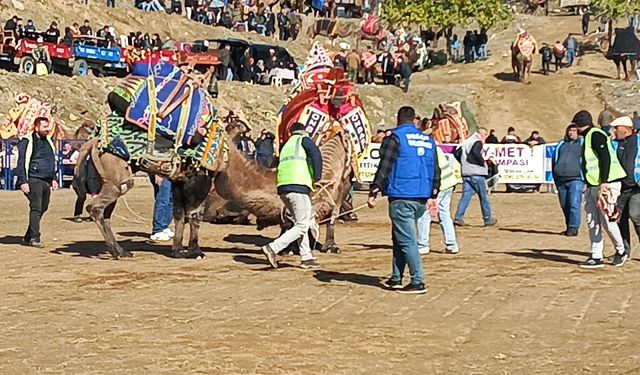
(445, 13)
(616, 8)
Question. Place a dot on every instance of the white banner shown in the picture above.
(517, 164)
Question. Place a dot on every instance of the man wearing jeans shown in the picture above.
(162, 209)
(447, 184)
(474, 172)
(567, 176)
(409, 175)
(300, 166)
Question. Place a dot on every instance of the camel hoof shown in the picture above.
(333, 249)
(179, 254)
(126, 254)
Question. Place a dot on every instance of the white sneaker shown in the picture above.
(160, 237)
(424, 250)
(373, 83)
(169, 232)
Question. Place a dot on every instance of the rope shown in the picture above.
(140, 217)
(344, 213)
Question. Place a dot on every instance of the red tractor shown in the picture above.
(19, 54)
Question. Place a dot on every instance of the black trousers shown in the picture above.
(546, 66)
(39, 195)
(558, 62)
(265, 161)
(585, 28)
(629, 204)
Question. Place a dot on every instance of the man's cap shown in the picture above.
(582, 118)
(622, 121)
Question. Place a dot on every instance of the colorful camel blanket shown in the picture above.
(19, 122)
(182, 110)
(127, 140)
(324, 101)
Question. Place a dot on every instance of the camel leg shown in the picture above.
(329, 239)
(618, 63)
(103, 203)
(179, 217)
(194, 226)
(107, 223)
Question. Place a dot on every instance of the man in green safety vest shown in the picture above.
(300, 167)
(602, 172)
(447, 184)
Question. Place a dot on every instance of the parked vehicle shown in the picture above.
(91, 55)
(257, 51)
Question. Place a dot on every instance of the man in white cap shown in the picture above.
(627, 146)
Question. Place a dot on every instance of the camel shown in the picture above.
(521, 64)
(254, 188)
(620, 60)
(330, 28)
(189, 194)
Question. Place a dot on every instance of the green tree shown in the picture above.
(616, 9)
(445, 13)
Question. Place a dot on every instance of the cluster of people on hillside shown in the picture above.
(473, 46)
(568, 49)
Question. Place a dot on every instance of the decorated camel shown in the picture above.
(452, 123)
(333, 116)
(162, 122)
(20, 119)
(522, 50)
(626, 47)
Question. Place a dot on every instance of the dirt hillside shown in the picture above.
(546, 105)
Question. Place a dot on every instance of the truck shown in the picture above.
(91, 54)
(575, 6)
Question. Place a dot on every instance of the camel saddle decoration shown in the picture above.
(19, 122)
(325, 103)
(452, 123)
(526, 44)
(161, 118)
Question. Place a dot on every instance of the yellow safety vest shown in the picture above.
(293, 168)
(592, 164)
(447, 177)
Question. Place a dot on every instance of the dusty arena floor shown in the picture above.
(513, 301)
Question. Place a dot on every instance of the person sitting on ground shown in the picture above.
(535, 139)
(52, 35)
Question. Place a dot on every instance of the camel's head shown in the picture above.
(234, 126)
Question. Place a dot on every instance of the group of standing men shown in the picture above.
(610, 169)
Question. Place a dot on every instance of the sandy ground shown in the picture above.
(513, 301)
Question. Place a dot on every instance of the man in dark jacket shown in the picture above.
(568, 178)
(547, 55)
(474, 172)
(299, 169)
(386, 63)
(409, 175)
(628, 151)
(52, 35)
(602, 173)
(36, 176)
(264, 149)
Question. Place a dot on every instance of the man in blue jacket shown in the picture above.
(408, 174)
(567, 175)
(36, 173)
